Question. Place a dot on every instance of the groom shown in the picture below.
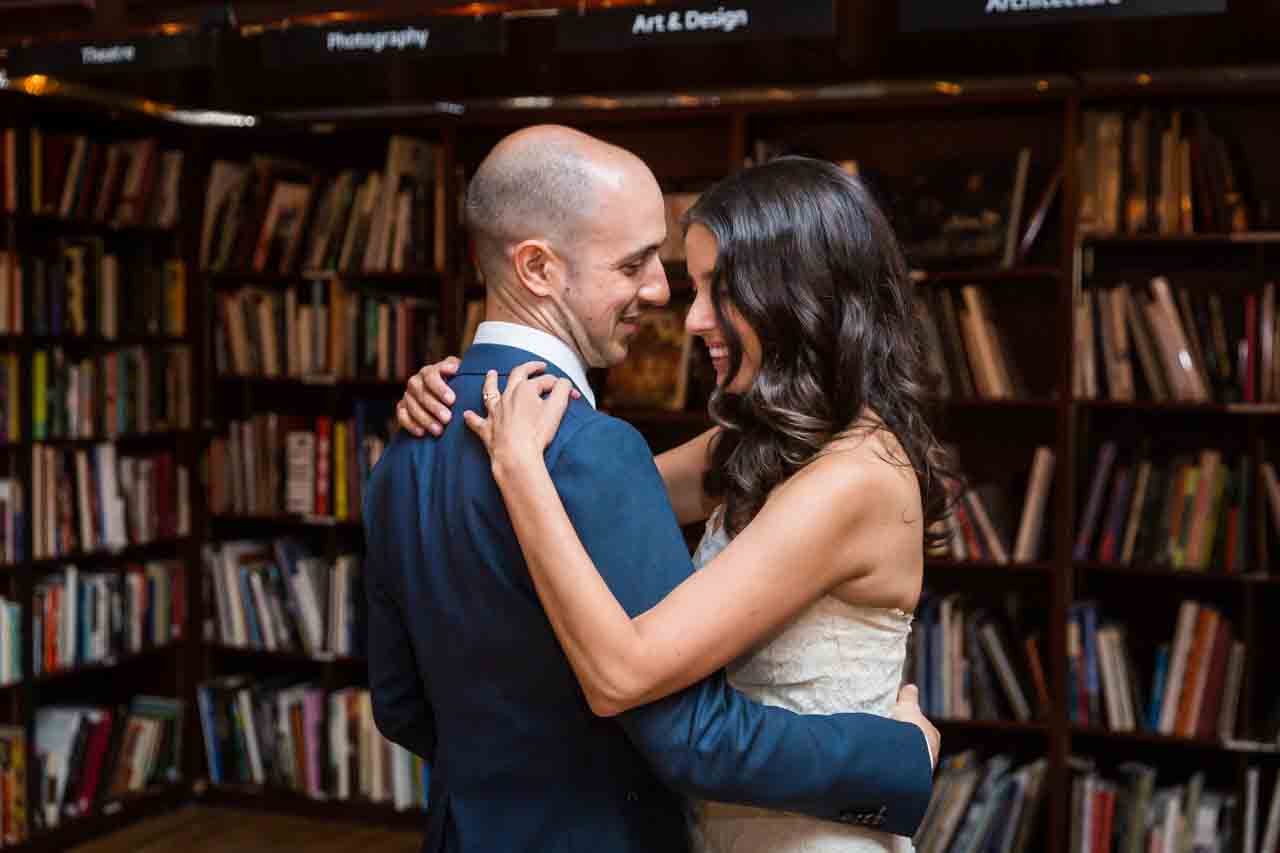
(463, 665)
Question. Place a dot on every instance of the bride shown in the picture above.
(819, 483)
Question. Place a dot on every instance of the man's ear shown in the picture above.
(537, 266)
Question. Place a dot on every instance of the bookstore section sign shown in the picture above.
(655, 26)
(146, 53)
(915, 15)
(419, 39)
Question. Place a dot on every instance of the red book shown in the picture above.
(324, 430)
(1211, 705)
(95, 753)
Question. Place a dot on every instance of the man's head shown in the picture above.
(566, 230)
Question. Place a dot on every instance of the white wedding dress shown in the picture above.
(834, 658)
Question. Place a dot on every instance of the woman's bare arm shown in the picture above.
(682, 469)
(823, 528)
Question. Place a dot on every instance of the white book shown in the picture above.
(263, 609)
(1184, 366)
(1271, 832)
(1110, 679)
(1250, 811)
(88, 541)
(1031, 526)
(1013, 690)
(300, 487)
(1187, 615)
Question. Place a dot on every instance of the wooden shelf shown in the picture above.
(1002, 727)
(138, 551)
(123, 438)
(318, 380)
(986, 275)
(99, 666)
(51, 222)
(662, 417)
(938, 564)
(225, 278)
(110, 816)
(1029, 404)
(288, 520)
(284, 656)
(283, 800)
(1152, 739)
(1177, 575)
(1243, 237)
(69, 340)
(1175, 408)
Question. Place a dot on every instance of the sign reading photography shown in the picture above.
(145, 53)
(916, 15)
(655, 26)
(381, 40)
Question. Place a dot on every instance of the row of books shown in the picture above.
(132, 390)
(986, 211)
(14, 826)
(88, 756)
(72, 176)
(83, 289)
(1197, 512)
(987, 805)
(965, 352)
(90, 499)
(277, 596)
(967, 669)
(13, 521)
(10, 642)
(274, 215)
(1127, 812)
(10, 398)
(1183, 344)
(300, 737)
(1196, 680)
(275, 463)
(980, 524)
(1151, 171)
(95, 617)
(339, 332)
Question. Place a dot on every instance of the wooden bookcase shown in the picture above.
(691, 143)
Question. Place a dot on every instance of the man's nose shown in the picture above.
(656, 289)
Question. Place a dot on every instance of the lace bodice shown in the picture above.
(835, 657)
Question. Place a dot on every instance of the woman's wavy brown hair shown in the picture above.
(809, 261)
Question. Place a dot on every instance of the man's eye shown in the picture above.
(631, 269)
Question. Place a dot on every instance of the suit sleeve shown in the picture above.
(708, 740)
(400, 706)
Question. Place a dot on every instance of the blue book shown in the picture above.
(1157, 687)
(1089, 635)
(250, 609)
(206, 726)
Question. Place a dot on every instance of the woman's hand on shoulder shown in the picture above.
(424, 408)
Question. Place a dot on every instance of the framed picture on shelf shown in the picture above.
(655, 373)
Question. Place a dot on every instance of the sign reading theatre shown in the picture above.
(648, 26)
(144, 53)
(915, 15)
(419, 39)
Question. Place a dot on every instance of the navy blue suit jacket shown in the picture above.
(465, 670)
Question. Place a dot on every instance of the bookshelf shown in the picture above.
(888, 129)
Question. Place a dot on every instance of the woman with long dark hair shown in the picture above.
(820, 481)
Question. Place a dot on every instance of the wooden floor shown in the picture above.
(200, 829)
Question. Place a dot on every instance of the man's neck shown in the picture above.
(500, 308)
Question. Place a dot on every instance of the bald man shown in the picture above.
(463, 665)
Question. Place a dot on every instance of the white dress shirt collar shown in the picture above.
(545, 346)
